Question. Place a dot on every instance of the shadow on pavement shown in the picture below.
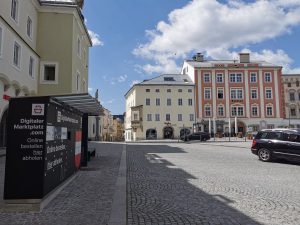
(160, 193)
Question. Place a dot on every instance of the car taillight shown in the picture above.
(254, 142)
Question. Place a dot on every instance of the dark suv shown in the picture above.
(277, 143)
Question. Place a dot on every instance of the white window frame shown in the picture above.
(148, 102)
(220, 107)
(219, 78)
(254, 90)
(206, 78)
(237, 92)
(269, 80)
(179, 117)
(180, 101)
(207, 93)
(157, 117)
(168, 117)
(18, 63)
(269, 93)
(42, 72)
(192, 117)
(149, 117)
(157, 101)
(233, 77)
(29, 26)
(236, 109)
(220, 90)
(15, 14)
(257, 110)
(190, 102)
(31, 67)
(207, 108)
(169, 102)
(253, 75)
(271, 107)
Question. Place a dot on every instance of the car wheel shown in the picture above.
(264, 155)
(204, 139)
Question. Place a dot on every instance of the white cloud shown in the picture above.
(212, 27)
(95, 38)
(122, 78)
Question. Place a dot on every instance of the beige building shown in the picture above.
(43, 50)
(291, 83)
(160, 108)
(118, 128)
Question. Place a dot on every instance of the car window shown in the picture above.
(262, 135)
(294, 137)
(275, 136)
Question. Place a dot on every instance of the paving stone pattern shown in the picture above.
(86, 200)
(178, 184)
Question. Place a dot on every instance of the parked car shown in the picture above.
(200, 136)
(277, 143)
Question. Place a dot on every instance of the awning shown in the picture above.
(82, 102)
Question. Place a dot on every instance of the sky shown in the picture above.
(134, 40)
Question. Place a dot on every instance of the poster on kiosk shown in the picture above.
(43, 147)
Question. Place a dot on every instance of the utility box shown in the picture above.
(43, 147)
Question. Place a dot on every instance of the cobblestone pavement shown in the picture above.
(86, 200)
(207, 184)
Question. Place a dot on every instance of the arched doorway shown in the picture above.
(151, 134)
(168, 132)
(241, 128)
(3, 129)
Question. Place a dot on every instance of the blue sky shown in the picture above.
(140, 39)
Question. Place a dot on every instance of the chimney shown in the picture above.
(244, 57)
(198, 57)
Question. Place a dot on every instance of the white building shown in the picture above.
(160, 108)
(291, 84)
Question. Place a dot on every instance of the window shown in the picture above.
(180, 101)
(168, 101)
(237, 111)
(179, 117)
(293, 112)
(253, 94)
(297, 82)
(168, 90)
(267, 77)
(254, 111)
(179, 90)
(49, 72)
(168, 117)
(190, 102)
(289, 84)
(253, 77)
(14, 10)
(236, 78)
(207, 112)
(236, 94)
(1, 38)
(78, 47)
(292, 96)
(147, 101)
(158, 101)
(156, 90)
(17, 55)
(269, 110)
(77, 81)
(206, 78)
(207, 93)
(220, 93)
(191, 117)
(31, 67)
(157, 117)
(29, 27)
(169, 79)
(268, 93)
(135, 116)
(219, 78)
(149, 117)
(221, 111)
(147, 90)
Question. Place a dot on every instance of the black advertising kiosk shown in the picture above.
(44, 143)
